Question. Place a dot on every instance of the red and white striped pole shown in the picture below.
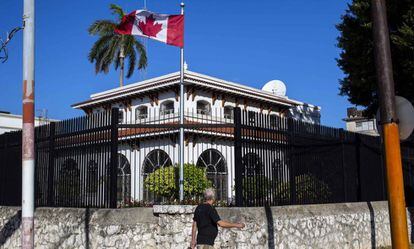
(28, 150)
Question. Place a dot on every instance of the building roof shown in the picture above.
(190, 78)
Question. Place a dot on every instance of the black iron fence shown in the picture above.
(283, 161)
(74, 163)
(10, 168)
(149, 145)
(130, 157)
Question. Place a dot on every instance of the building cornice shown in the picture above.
(190, 78)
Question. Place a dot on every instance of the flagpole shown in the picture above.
(181, 157)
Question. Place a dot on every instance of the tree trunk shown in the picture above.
(121, 62)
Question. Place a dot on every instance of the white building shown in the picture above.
(207, 100)
(12, 122)
(357, 122)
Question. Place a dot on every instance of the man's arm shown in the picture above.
(193, 235)
(227, 224)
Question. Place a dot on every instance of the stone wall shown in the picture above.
(356, 225)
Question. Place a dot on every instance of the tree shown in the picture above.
(112, 48)
(357, 56)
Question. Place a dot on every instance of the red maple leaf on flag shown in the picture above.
(150, 27)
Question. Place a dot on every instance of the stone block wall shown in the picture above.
(349, 225)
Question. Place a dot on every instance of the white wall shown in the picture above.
(11, 122)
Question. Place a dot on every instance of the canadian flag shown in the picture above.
(163, 28)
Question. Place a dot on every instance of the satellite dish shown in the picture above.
(405, 114)
(276, 87)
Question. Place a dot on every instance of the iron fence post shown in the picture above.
(344, 185)
(238, 158)
(114, 158)
(51, 171)
(358, 165)
(292, 182)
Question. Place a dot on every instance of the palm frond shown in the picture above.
(117, 10)
(102, 27)
(98, 46)
(142, 63)
(109, 55)
(130, 53)
(117, 61)
(132, 58)
(106, 55)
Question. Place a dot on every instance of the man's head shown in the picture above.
(209, 195)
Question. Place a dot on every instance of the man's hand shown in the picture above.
(227, 224)
(193, 244)
(193, 235)
(241, 225)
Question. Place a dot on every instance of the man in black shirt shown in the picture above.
(205, 221)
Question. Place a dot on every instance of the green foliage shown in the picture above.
(110, 47)
(357, 56)
(256, 187)
(164, 181)
(308, 187)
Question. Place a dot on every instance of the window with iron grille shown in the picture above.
(203, 107)
(252, 164)
(252, 117)
(120, 117)
(123, 180)
(154, 160)
(216, 167)
(273, 118)
(229, 112)
(92, 177)
(167, 107)
(141, 113)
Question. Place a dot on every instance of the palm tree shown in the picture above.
(114, 48)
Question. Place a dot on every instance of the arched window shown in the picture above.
(254, 183)
(92, 177)
(167, 107)
(203, 107)
(123, 180)
(252, 164)
(154, 160)
(141, 113)
(229, 112)
(216, 167)
(69, 184)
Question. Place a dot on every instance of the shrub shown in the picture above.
(255, 187)
(308, 188)
(164, 181)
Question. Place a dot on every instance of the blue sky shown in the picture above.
(250, 42)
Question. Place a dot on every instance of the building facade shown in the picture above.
(208, 100)
(357, 122)
(12, 122)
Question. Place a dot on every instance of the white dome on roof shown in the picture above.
(276, 87)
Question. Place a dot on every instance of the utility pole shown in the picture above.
(28, 152)
(389, 120)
